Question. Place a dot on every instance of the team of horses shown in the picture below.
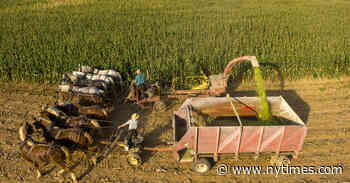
(67, 126)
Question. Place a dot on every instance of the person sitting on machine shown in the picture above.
(132, 132)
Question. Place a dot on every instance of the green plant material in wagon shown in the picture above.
(264, 112)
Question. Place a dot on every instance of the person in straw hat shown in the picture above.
(140, 82)
(132, 132)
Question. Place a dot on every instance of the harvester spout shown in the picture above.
(264, 113)
(232, 63)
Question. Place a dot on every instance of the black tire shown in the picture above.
(284, 160)
(201, 166)
(281, 160)
(134, 159)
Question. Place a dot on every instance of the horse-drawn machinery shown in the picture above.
(205, 126)
(148, 97)
(224, 132)
(213, 85)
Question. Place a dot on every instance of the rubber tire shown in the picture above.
(201, 166)
(283, 160)
(280, 160)
(134, 159)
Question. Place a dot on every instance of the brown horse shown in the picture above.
(36, 154)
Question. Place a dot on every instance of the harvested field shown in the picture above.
(323, 104)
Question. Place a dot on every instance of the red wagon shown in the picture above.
(198, 144)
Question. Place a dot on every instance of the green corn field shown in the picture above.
(42, 39)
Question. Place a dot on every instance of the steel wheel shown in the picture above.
(280, 160)
(202, 165)
(134, 159)
(283, 160)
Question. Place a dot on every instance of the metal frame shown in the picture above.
(216, 91)
(150, 100)
(276, 139)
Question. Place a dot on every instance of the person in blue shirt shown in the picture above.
(140, 82)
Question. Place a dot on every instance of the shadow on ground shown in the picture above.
(120, 115)
(292, 98)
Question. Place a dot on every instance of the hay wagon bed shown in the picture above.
(197, 144)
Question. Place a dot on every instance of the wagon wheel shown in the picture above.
(62, 97)
(201, 166)
(281, 160)
(159, 106)
(134, 159)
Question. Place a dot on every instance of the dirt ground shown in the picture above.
(323, 104)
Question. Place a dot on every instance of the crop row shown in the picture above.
(174, 38)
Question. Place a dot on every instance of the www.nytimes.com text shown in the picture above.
(279, 170)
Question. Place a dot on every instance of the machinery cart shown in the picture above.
(223, 135)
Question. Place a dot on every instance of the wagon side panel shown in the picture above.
(187, 141)
(293, 138)
(250, 139)
(271, 138)
(229, 139)
(207, 139)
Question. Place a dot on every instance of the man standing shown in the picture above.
(140, 82)
(132, 132)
